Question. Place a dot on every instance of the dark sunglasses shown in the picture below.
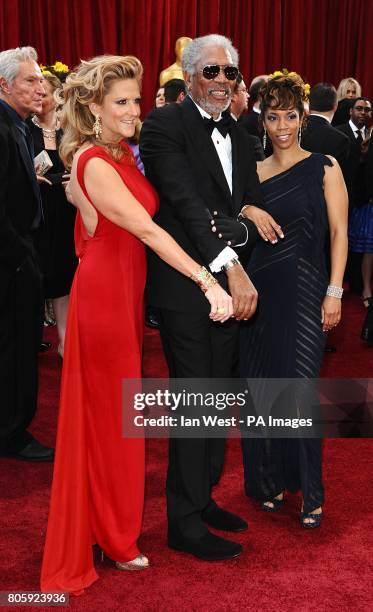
(211, 72)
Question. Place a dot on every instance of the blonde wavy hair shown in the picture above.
(344, 85)
(90, 83)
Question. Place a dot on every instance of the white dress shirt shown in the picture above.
(223, 148)
(356, 130)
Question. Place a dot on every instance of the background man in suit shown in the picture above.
(200, 162)
(320, 136)
(239, 104)
(251, 121)
(21, 93)
(175, 91)
(357, 130)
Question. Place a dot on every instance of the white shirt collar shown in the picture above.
(203, 112)
(355, 129)
(256, 110)
(234, 116)
(312, 114)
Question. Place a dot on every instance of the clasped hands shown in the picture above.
(234, 232)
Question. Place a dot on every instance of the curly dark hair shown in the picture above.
(282, 92)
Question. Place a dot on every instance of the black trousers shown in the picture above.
(195, 347)
(21, 303)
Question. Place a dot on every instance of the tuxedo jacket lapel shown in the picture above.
(204, 146)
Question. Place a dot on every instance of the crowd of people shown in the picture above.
(214, 215)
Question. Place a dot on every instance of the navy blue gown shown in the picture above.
(284, 339)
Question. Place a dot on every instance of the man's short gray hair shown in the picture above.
(192, 53)
(11, 59)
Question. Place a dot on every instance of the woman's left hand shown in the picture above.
(330, 312)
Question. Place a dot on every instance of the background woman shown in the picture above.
(56, 237)
(160, 100)
(348, 90)
(98, 485)
(306, 195)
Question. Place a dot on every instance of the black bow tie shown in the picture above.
(223, 125)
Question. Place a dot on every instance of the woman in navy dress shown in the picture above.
(304, 197)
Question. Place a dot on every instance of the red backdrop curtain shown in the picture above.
(320, 39)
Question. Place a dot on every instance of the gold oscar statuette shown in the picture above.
(174, 71)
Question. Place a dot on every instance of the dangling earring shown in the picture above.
(97, 127)
(299, 136)
(264, 139)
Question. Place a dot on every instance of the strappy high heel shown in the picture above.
(277, 504)
(315, 520)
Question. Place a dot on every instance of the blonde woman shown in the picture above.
(98, 484)
(348, 88)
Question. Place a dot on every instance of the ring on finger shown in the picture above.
(220, 311)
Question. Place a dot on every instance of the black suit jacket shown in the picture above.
(250, 123)
(355, 167)
(321, 137)
(19, 196)
(182, 163)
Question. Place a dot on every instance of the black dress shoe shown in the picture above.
(34, 451)
(209, 547)
(44, 346)
(224, 520)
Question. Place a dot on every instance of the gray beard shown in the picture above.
(211, 108)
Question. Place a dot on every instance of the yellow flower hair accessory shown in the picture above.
(60, 67)
(292, 75)
(46, 72)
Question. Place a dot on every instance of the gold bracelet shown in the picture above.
(204, 279)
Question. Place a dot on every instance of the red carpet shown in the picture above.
(283, 567)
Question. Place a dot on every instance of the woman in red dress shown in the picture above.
(98, 483)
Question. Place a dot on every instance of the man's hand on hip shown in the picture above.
(243, 292)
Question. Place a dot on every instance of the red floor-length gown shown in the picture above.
(98, 482)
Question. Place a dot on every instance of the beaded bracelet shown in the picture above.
(204, 279)
(333, 291)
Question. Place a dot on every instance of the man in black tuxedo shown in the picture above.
(357, 130)
(21, 93)
(200, 162)
(320, 136)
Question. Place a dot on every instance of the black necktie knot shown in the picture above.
(223, 125)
